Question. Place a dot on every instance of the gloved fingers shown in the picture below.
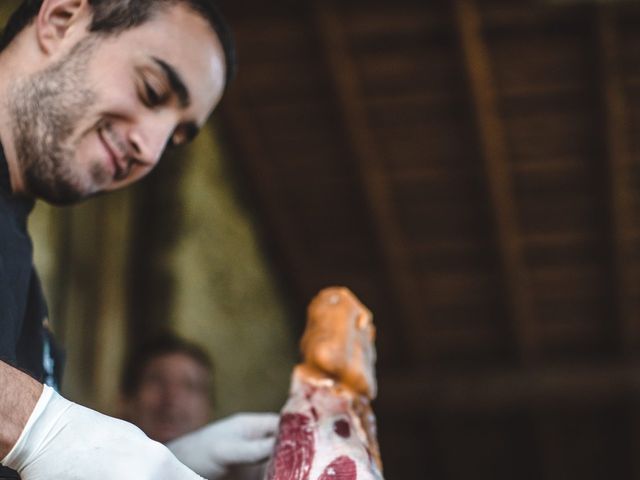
(251, 452)
(255, 425)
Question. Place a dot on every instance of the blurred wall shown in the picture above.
(225, 293)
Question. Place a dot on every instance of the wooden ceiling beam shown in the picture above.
(372, 173)
(501, 390)
(493, 150)
(618, 175)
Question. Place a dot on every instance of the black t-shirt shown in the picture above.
(25, 339)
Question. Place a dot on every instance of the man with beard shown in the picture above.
(91, 93)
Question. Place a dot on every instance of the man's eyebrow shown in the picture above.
(175, 81)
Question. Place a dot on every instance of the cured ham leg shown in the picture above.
(327, 427)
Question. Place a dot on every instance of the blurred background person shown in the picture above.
(167, 391)
(167, 387)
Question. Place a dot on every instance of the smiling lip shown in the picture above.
(114, 162)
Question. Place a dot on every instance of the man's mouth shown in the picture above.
(116, 161)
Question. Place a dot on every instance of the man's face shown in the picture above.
(99, 116)
(172, 399)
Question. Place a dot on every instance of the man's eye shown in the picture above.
(183, 135)
(176, 140)
(151, 96)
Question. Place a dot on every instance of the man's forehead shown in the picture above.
(186, 47)
(175, 358)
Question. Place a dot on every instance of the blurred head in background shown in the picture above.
(166, 387)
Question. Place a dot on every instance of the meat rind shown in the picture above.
(339, 340)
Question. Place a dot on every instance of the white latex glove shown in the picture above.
(245, 438)
(66, 441)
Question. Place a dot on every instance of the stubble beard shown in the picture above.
(47, 108)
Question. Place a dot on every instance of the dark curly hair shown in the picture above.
(115, 16)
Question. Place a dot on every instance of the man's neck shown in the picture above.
(6, 130)
(17, 183)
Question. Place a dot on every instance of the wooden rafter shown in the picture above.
(618, 159)
(618, 174)
(499, 390)
(495, 157)
(370, 168)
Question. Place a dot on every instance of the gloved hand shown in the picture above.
(66, 441)
(245, 438)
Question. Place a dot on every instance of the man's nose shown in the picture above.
(173, 394)
(149, 138)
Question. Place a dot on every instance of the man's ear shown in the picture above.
(57, 19)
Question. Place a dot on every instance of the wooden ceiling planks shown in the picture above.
(495, 389)
(618, 174)
(494, 154)
(544, 64)
(371, 173)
